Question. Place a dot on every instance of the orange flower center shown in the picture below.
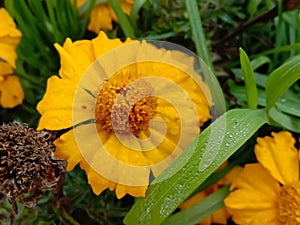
(289, 204)
(125, 104)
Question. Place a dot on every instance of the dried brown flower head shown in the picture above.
(27, 164)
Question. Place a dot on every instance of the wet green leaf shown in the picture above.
(281, 79)
(201, 210)
(213, 146)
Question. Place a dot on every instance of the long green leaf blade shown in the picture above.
(281, 79)
(201, 210)
(122, 18)
(251, 90)
(279, 49)
(137, 5)
(289, 122)
(212, 147)
(198, 33)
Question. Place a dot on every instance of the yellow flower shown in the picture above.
(221, 216)
(115, 107)
(102, 15)
(268, 192)
(11, 92)
(9, 38)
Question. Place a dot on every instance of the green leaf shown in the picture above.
(289, 105)
(260, 79)
(201, 210)
(122, 18)
(285, 48)
(259, 61)
(252, 7)
(281, 79)
(134, 13)
(212, 147)
(251, 90)
(289, 122)
(84, 8)
(198, 33)
(159, 36)
(240, 93)
(88, 7)
(241, 157)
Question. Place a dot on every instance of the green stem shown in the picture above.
(198, 33)
(64, 216)
(27, 77)
(122, 18)
(250, 84)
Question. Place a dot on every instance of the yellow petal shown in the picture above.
(57, 104)
(5, 69)
(7, 52)
(67, 149)
(194, 92)
(102, 15)
(256, 177)
(80, 2)
(75, 58)
(125, 5)
(9, 38)
(100, 18)
(136, 191)
(232, 175)
(130, 167)
(11, 92)
(254, 196)
(201, 101)
(101, 44)
(110, 159)
(7, 23)
(193, 200)
(279, 156)
(130, 156)
(255, 216)
(220, 217)
(97, 182)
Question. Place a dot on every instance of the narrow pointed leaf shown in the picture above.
(198, 32)
(281, 79)
(287, 121)
(201, 210)
(251, 90)
(212, 147)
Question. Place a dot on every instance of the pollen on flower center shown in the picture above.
(125, 104)
(288, 204)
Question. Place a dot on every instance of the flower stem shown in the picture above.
(123, 20)
(198, 33)
(64, 216)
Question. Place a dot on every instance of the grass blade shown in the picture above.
(281, 79)
(198, 33)
(251, 90)
(201, 210)
(122, 18)
(226, 135)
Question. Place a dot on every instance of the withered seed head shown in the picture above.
(27, 163)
